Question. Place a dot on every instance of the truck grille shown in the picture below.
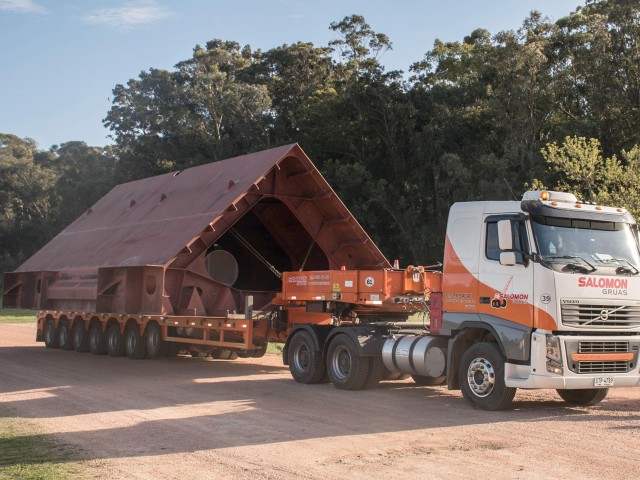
(602, 365)
(600, 347)
(600, 315)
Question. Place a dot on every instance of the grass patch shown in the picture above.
(275, 348)
(26, 454)
(14, 315)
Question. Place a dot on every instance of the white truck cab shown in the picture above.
(553, 288)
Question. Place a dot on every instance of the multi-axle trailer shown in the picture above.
(223, 258)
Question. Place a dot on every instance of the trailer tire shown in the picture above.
(134, 344)
(80, 338)
(425, 381)
(586, 397)
(115, 341)
(65, 339)
(482, 377)
(305, 361)
(49, 334)
(347, 370)
(156, 346)
(97, 340)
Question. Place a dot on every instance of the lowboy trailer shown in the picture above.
(223, 258)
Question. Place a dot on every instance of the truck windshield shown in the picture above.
(588, 243)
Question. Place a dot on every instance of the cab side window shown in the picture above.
(520, 242)
(491, 249)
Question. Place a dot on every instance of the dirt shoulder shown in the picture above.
(198, 418)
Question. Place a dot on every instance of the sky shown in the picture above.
(61, 59)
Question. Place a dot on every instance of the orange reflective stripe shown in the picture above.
(601, 356)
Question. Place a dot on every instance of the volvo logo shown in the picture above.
(604, 315)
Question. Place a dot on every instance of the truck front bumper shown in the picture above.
(537, 376)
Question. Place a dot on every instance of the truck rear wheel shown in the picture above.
(115, 342)
(482, 377)
(80, 338)
(49, 334)
(97, 340)
(134, 343)
(305, 361)
(377, 371)
(587, 396)
(347, 370)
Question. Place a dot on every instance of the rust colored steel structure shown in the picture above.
(196, 242)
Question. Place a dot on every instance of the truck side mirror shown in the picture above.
(508, 258)
(505, 235)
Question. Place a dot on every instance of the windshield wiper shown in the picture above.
(622, 268)
(570, 257)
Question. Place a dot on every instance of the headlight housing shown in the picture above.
(554, 355)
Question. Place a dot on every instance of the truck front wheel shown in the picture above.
(482, 377)
(347, 370)
(305, 361)
(587, 396)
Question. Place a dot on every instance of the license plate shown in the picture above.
(603, 382)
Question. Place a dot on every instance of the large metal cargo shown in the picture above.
(197, 241)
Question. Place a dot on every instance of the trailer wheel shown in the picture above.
(134, 343)
(156, 346)
(97, 340)
(482, 377)
(50, 337)
(347, 370)
(80, 338)
(305, 361)
(65, 340)
(425, 381)
(115, 342)
(587, 396)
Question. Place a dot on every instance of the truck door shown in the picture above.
(506, 291)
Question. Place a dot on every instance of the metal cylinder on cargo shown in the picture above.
(416, 354)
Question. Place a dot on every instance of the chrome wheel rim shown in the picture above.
(481, 377)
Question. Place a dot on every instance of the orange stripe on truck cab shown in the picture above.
(605, 357)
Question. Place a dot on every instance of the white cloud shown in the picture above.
(129, 15)
(21, 6)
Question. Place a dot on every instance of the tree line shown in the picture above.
(549, 104)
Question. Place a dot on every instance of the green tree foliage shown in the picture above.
(201, 112)
(28, 201)
(41, 192)
(579, 166)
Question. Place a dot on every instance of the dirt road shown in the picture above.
(194, 418)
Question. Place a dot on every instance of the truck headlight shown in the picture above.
(554, 358)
